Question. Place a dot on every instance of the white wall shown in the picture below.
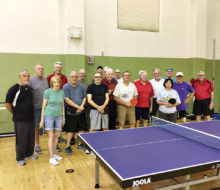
(174, 39)
(213, 28)
(73, 16)
(198, 28)
(40, 26)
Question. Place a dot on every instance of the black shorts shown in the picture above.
(75, 123)
(182, 113)
(202, 107)
(144, 112)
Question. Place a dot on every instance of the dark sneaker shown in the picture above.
(41, 131)
(61, 140)
(38, 149)
(58, 149)
(21, 162)
(80, 146)
(68, 150)
(33, 157)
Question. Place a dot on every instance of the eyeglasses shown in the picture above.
(97, 77)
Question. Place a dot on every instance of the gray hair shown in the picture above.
(156, 69)
(140, 72)
(109, 70)
(58, 63)
(105, 68)
(201, 72)
(72, 72)
(24, 71)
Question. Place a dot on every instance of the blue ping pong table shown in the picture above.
(134, 157)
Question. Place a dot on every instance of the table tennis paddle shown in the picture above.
(134, 101)
(41, 131)
(172, 101)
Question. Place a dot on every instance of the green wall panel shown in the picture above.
(12, 64)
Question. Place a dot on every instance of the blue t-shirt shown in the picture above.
(76, 94)
(183, 90)
(54, 102)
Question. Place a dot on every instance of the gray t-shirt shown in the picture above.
(76, 94)
(84, 84)
(38, 86)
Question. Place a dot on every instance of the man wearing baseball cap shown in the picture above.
(183, 89)
(169, 74)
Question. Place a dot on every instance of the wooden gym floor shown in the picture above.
(40, 175)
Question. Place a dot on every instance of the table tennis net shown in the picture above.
(193, 134)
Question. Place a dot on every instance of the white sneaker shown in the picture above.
(57, 157)
(87, 151)
(53, 161)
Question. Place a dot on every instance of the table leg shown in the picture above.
(96, 174)
(218, 172)
(187, 180)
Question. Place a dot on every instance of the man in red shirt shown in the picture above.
(145, 98)
(110, 82)
(204, 96)
(57, 71)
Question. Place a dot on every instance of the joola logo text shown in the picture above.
(141, 182)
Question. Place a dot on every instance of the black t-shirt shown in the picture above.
(23, 109)
(98, 93)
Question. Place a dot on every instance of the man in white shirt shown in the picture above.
(157, 83)
(123, 93)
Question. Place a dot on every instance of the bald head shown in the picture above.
(117, 74)
(82, 74)
(39, 71)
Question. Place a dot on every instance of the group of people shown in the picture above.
(54, 103)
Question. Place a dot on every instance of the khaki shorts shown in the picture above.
(123, 111)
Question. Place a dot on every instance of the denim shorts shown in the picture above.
(37, 117)
(53, 123)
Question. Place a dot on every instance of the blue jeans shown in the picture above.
(53, 123)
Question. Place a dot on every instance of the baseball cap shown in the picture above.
(169, 69)
(179, 74)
